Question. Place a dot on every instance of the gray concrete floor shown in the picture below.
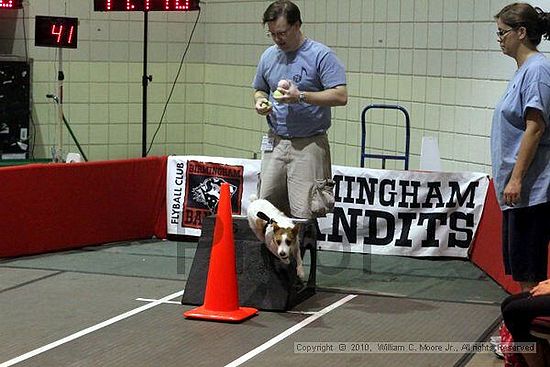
(45, 298)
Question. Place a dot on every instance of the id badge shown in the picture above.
(267, 144)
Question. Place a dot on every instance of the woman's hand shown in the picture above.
(534, 129)
(541, 289)
(512, 192)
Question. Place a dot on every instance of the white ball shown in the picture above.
(283, 84)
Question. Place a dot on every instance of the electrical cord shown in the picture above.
(175, 82)
(31, 120)
(68, 126)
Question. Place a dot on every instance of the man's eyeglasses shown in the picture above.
(281, 34)
(501, 33)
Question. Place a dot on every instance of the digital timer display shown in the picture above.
(11, 4)
(56, 32)
(146, 5)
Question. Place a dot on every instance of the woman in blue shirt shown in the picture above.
(520, 145)
(520, 151)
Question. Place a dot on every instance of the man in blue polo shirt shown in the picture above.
(296, 173)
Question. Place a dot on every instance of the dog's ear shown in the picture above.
(296, 229)
(274, 225)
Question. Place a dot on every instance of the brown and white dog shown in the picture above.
(276, 230)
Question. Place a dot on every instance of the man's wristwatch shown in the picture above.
(302, 97)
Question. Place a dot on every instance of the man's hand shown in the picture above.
(263, 106)
(287, 95)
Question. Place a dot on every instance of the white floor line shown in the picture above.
(156, 300)
(302, 312)
(254, 352)
(89, 330)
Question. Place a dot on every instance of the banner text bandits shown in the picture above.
(388, 192)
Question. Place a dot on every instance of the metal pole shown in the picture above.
(145, 82)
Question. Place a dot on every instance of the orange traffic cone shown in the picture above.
(221, 299)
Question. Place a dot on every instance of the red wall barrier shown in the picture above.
(486, 250)
(51, 207)
(48, 207)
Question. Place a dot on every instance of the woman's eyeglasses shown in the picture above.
(501, 33)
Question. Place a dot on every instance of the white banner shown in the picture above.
(377, 211)
(404, 212)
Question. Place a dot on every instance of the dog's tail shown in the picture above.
(253, 197)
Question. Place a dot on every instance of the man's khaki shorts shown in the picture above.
(296, 176)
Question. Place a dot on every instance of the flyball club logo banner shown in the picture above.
(202, 190)
(381, 212)
(194, 190)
